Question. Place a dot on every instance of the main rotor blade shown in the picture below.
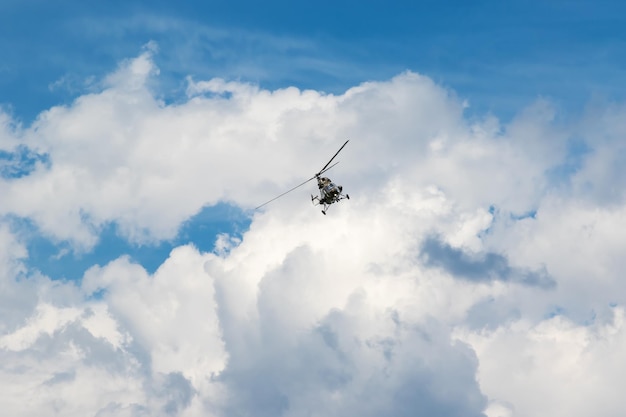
(324, 170)
(288, 191)
(331, 159)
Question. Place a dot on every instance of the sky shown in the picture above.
(477, 269)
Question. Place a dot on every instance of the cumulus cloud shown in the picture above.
(431, 292)
(555, 366)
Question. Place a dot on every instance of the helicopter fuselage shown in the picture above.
(329, 193)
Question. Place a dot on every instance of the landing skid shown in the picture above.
(316, 201)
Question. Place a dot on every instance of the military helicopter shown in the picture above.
(330, 193)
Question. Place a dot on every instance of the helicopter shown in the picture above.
(330, 192)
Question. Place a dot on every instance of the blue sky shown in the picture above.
(479, 242)
(499, 55)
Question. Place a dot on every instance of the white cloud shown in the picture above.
(556, 367)
(163, 311)
(146, 344)
(514, 306)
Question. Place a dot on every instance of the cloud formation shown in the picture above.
(338, 315)
(484, 267)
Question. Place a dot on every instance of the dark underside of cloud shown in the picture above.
(484, 268)
(335, 370)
